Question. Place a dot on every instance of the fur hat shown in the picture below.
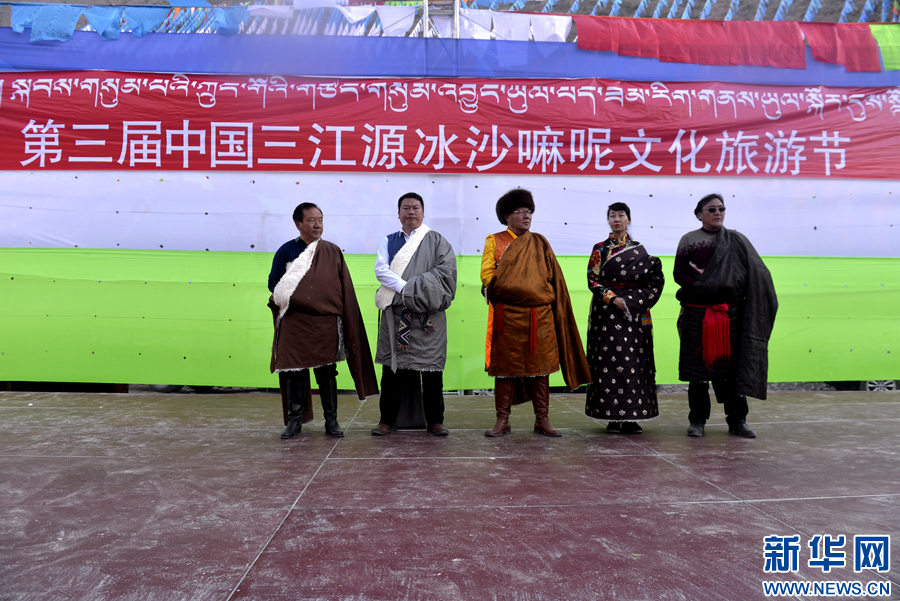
(516, 198)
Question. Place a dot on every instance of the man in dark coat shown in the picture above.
(728, 310)
(317, 323)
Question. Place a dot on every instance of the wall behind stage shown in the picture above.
(106, 276)
(237, 212)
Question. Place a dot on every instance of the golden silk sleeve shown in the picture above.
(488, 262)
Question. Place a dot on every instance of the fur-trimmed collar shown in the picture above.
(296, 271)
(384, 297)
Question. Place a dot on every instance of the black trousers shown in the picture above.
(736, 407)
(296, 384)
(392, 384)
(324, 374)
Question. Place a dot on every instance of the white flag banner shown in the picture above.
(551, 28)
(354, 14)
(396, 20)
(301, 4)
(508, 26)
(444, 25)
(277, 12)
(475, 24)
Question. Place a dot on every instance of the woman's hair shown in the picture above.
(514, 199)
(706, 200)
(619, 206)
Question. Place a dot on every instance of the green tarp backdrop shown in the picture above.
(177, 317)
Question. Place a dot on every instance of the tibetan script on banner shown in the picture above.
(104, 120)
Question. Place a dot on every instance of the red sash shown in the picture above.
(716, 333)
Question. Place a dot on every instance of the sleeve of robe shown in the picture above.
(640, 300)
(488, 262)
(683, 274)
(435, 289)
(575, 368)
(596, 284)
(760, 307)
(359, 355)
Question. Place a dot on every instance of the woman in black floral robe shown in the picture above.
(626, 282)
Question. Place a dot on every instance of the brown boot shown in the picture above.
(540, 396)
(503, 388)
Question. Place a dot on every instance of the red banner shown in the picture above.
(123, 121)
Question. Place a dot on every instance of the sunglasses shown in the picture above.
(716, 209)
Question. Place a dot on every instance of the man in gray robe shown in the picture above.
(416, 267)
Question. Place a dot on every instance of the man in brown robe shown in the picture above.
(532, 328)
(317, 323)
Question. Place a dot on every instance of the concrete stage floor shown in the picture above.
(195, 497)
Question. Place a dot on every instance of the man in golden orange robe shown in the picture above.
(531, 328)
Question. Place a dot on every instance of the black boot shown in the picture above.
(295, 393)
(328, 394)
(740, 428)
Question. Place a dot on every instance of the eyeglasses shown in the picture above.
(716, 209)
(523, 212)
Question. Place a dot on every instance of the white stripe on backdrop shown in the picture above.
(251, 212)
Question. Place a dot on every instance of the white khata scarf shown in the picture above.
(384, 297)
(296, 271)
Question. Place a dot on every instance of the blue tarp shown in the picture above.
(338, 56)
